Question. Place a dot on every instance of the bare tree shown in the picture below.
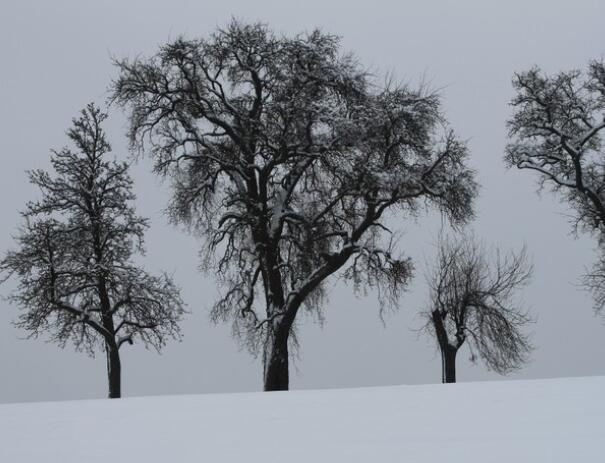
(472, 301)
(286, 158)
(556, 131)
(77, 280)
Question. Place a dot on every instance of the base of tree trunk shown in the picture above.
(276, 366)
(114, 373)
(448, 357)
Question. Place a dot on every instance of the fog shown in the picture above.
(56, 57)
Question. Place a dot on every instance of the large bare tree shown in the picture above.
(472, 302)
(556, 131)
(74, 261)
(286, 158)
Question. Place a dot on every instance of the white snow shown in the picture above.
(555, 420)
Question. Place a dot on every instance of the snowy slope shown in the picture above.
(560, 420)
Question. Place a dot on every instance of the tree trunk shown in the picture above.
(276, 363)
(114, 371)
(448, 359)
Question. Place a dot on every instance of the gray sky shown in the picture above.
(56, 58)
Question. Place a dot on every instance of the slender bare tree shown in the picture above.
(472, 302)
(556, 131)
(287, 158)
(77, 281)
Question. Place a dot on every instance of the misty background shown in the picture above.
(56, 57)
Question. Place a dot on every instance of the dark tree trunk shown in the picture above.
(276, 364)
(114, 371)
(448, 352)
(448, 358)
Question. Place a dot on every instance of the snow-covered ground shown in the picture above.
(555, 420)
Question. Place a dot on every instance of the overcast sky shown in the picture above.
(56, 57)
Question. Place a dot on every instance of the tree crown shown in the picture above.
(286, 156)
(74, 257)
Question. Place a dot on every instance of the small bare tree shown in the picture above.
(472, 302)
(556, 131)
(77, 280)
(287, 158)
